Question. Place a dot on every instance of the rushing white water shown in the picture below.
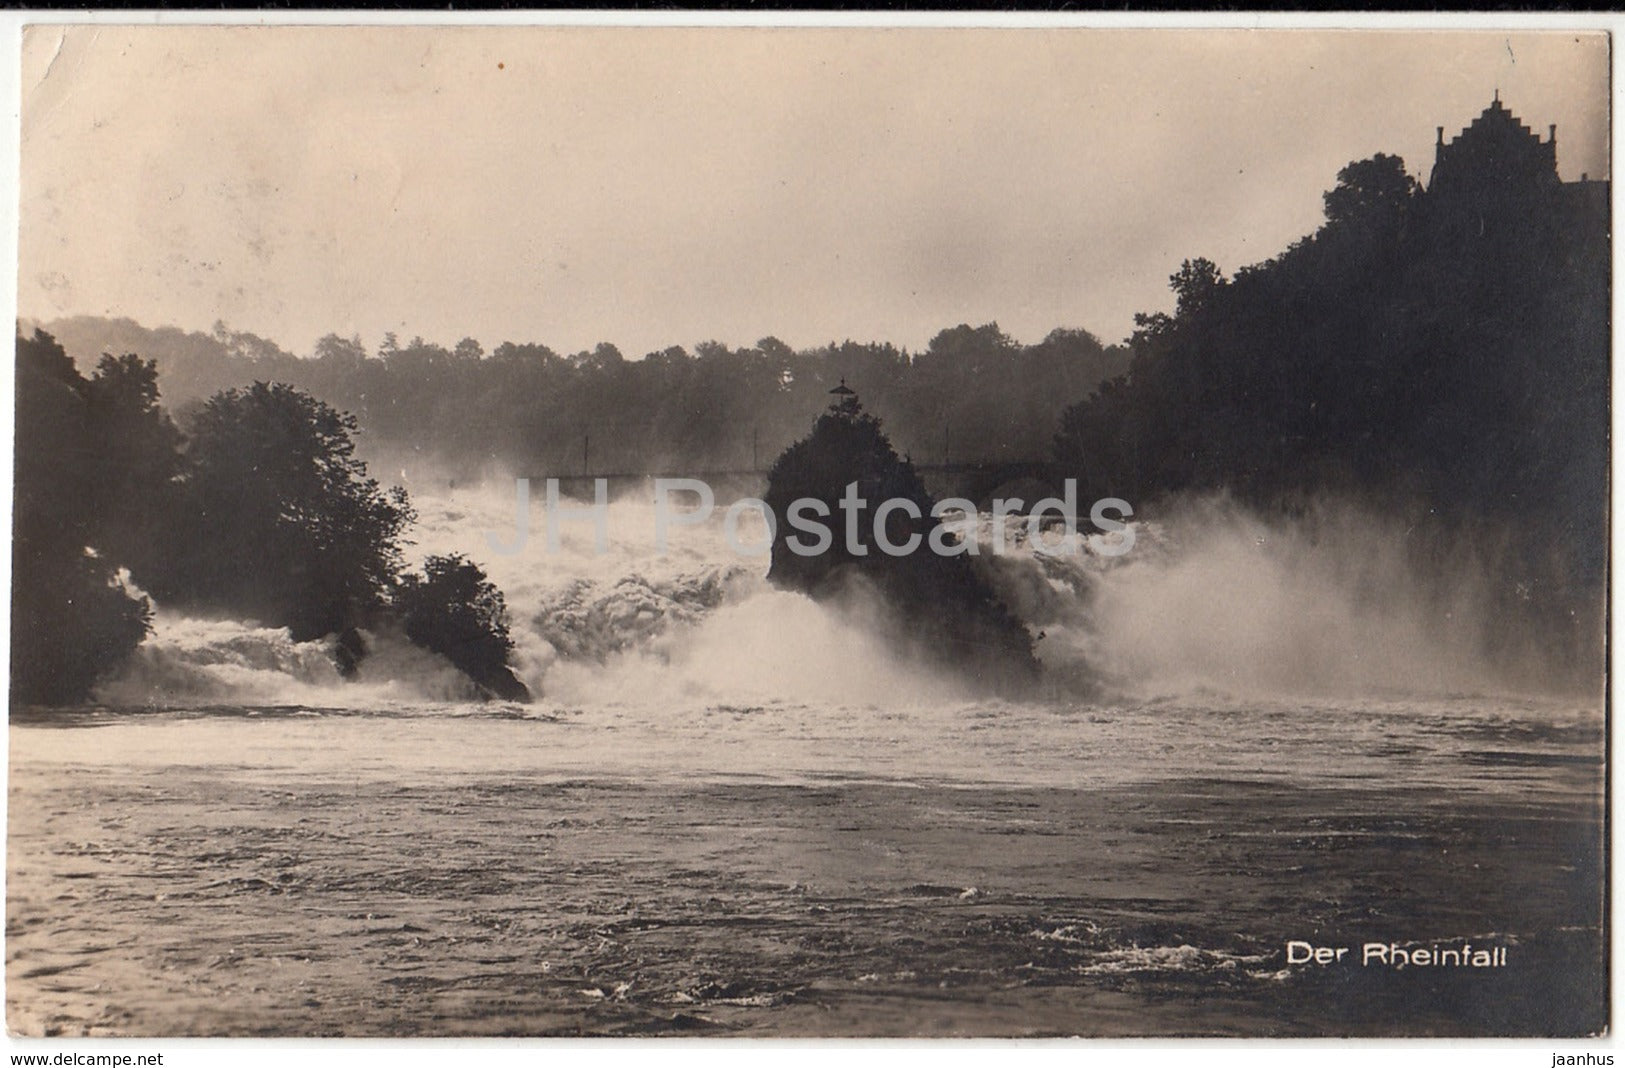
(728, 795)
(1245, 724)
(1212, 599)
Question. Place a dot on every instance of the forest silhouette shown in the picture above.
(973, 393)
(1439, 357)
(259, 511)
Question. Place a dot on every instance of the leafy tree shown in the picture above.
(137, 445)
(341, 352)
(280, 521)
(73, 625)
(72, 621)
(776, 350)
(1195, 285)
(967, 350)
(1374, 193)
(267, 514)
(452, 609)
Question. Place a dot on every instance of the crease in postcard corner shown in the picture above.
(38, 99)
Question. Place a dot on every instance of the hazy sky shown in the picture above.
(666, 186)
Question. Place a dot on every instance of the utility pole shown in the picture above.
(754, 465)
(586, 445)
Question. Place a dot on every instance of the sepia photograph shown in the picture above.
(810, 532)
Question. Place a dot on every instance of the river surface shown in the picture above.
(733, 810)
(792, 869)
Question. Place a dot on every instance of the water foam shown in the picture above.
(1212, 597)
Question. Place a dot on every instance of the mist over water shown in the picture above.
(1241, 719)
(1332, 603)
(1211, 599)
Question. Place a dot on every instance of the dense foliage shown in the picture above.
(261, 511)
(72, 620)
(938, 603)
(1444, 358)
(277, 520)
(974, 393)
(452, 609)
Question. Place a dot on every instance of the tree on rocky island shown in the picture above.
(452, 609)
(940, 608)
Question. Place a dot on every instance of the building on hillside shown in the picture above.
(1497, 168)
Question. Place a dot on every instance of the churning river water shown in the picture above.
(729, 812)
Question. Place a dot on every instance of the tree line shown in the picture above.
(974, 393)
(1443, 359)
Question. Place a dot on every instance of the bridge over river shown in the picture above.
(973, 479)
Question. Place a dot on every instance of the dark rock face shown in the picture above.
(939, 608)
(454, 610)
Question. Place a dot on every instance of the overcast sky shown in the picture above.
(652, 187)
